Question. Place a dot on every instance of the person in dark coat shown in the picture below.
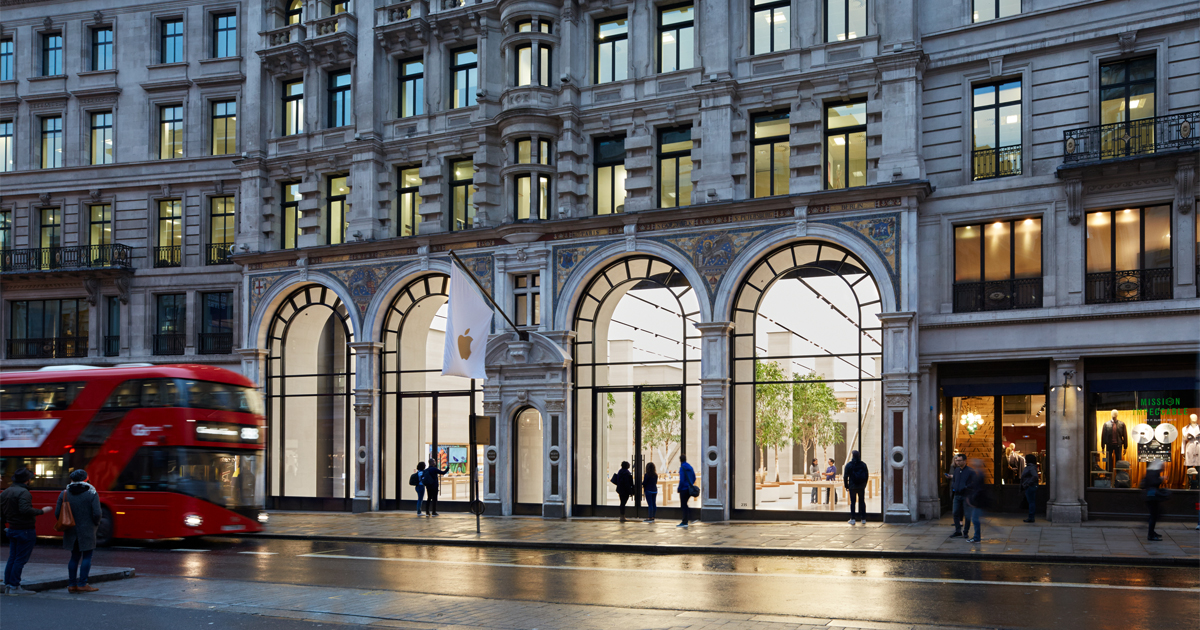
(650, 490)
(976, 498)
(625, 486)
(1155, 495)
(420, 485)
(855, 476)
(960, 480)
(81, 539)
(17, 514)
(429, 477)
(687, 479)
(1029, 483)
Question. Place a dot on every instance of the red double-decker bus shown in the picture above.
(174, 450)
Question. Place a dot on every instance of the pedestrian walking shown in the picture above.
(84, 503)
(976, 498)
(650, 490)
(814, 472)
(960, 480)
(687, 483)
(429, 477)
(625, 486)
(1155, 495)
(17, 514)
(854, 477)
(830, 474)
(417, 480)
(1029, 483)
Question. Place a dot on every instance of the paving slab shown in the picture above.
(1004, 537)
(38, 576)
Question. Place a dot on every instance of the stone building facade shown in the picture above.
(967, 202)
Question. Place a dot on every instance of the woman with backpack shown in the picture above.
(625, 487)
(429, 478)
(650, 489)
(417, 482)
(82, 503)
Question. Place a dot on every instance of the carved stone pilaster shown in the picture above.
(1074, 188)
(1185, 187)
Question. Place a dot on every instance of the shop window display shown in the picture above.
(1022, 431)
(1131, 429)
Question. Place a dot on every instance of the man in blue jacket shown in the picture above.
(687, 479)
(960, 480)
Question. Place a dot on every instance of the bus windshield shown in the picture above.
(229, 479)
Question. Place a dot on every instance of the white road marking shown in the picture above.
(191, 550)
(260, 553)
(952, 581)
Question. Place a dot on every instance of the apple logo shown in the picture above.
(464, 345)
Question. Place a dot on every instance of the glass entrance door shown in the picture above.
(644, 426)
(434, 426)
(527, 462)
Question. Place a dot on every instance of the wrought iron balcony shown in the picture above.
(1137, 285)
(215, 343)
(219, 254)
(114, 256)
(169, 343)
(112, 345)
(168, 256)
(997, 295)
(1001, 162)
(49, 348)
(1176, 132)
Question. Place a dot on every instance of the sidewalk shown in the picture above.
(39, 576)
(1004, 537)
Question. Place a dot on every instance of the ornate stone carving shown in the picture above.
(1127, 41)
(555, 406)
(362, 409)
(1185, 187)
(122, 283)
(44, 197)
(1074, 189)
(491, 407)
(898, 400)
(94, 194)
(92, 286)
(715, 404)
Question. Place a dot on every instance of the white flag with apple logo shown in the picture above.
(468, 323)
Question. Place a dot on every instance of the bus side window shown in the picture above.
(39, 396)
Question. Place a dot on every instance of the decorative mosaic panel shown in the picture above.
(482, 266)
(362, 282)
(712, 253)
(261, 285)
(882, 233)
(566, 259)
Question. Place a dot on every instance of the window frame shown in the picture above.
(600, 163)
(414, 81)
(1126, 85)
(330, 200)
(227, 216)
(770, 141)
(532, 292)
(289, 210)
(470, 97)
(293, 101)
(676, 155)
(414, 201)
(102, 50)
(217, 118)
(173, 325)
(169, 136)
(1112, 237)
(845, 131)
(54, 226)
(98, 135)
(5, 229)
(996, 4)
(7, 146)
(598, 42)
(224, 36)
(170, 45)
(104, 225)
(341, 98)
(537, 210)
(298, 12)
(52, 57)
(467, 185)
(55, 138)
(866, 19)
(207, 325)
(755, 9)
(8, 56)
(664, 29)
(996, 106)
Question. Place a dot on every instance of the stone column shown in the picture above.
(713, 472)
(1066, 442)
(900, 431)
(1183, 221)
(365, 456)
(926, 455)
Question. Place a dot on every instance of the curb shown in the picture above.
(667, 550)
(110, 575)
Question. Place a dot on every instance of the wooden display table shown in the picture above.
(809, 483)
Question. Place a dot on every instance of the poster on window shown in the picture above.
(25, 433)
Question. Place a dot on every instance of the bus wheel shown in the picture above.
(104, 532)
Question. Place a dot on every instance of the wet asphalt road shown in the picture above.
(1015, 595)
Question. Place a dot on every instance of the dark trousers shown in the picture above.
(20, 547)
(651, 507)
(684, 497)
(959, 509)
(624, 498)
(420, 497)
(861, 496)
(831, 492)
(81, 564)
(1155, 508)
(431, 500)
(1031, 499)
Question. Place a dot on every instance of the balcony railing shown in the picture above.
(51, 348)
(1176, 132)
(113, 256)
(168, 256)
(1001, 162)
(169, 344)
(215, 343)
(1137, 285)
(998, 295)
(219, 254)
(112, 345)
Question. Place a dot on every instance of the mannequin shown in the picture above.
(1114, 438)
(1191, 443)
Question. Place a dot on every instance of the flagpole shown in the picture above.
(521, 334)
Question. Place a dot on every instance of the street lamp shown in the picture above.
(1066, 386)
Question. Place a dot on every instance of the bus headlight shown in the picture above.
(192, 520)
(263, 517)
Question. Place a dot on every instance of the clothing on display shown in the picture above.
(1114, 439)
(1191, 443)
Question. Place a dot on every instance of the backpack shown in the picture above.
(859, 476)
(414, 479)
